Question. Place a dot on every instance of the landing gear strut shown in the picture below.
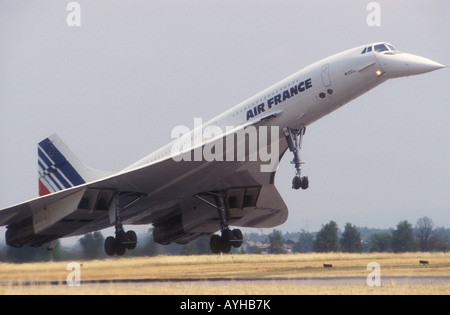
(123, 240)
(294, 138)
(229, 238)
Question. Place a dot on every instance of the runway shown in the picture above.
(307, 281)
(298, 281)
(234, 274)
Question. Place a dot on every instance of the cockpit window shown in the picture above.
(381, 47)
(392, 48)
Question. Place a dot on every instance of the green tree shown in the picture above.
(189, 249)
(27, 254)
(198, 247)
(380, 242)
(403, 238)
(150, 247)
(305, 243)
(424, 234)
(351, 239)
(92, 245)
(327, 238)
(57, 254)
(276, 243)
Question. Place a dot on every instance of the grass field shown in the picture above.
(231, 266)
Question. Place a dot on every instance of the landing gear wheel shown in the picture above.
(228, 238)
(238, 238)
(225, 243)
(305, 183)
(215, 244)
(296, 182)
(131, 240)
(110, 246)
(294, 138)
(220, 244)
(300, 182)
(124, 240)
(121, 239)
(120, 249)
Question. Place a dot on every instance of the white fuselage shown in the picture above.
(173, 196)
(312, 93)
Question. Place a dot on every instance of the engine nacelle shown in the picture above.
(22, 233)
(18, 234)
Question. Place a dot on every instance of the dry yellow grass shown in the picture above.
(393, 289)
(232, 266)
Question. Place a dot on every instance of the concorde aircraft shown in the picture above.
(201, 183)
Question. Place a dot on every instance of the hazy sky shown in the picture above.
(114, 88)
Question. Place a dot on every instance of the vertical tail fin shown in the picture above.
(60, 169)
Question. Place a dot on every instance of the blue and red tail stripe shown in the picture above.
(55, 171)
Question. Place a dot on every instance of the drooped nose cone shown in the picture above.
(403, 64)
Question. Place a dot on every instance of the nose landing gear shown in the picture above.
(300, 182)
(294, 138)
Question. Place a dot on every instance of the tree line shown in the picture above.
(404, 238)
(423, 237)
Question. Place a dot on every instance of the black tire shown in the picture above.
(238, 238)
(304, 183)
(121, 246)
(131, 240)
(120, 249)
(225, 243)
(110, 246)
(296, 183)
(215, 244)
(121, 236)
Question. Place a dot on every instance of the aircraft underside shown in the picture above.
(244, 197)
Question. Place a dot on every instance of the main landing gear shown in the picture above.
(294, 139)
(228, 238)
(119, 244)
